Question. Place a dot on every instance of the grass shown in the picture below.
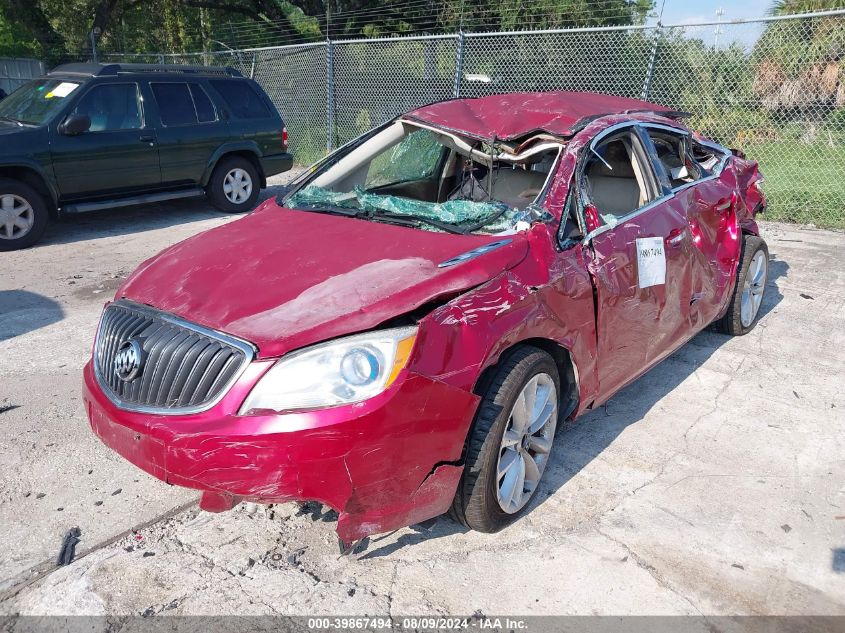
(805, 183)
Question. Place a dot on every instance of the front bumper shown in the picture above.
(382, 464)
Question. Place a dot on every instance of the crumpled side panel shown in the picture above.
(547, 296)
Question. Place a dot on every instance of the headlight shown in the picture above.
(344, 371)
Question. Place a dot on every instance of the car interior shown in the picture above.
(615, 179)
(111, 107)
(433, 167)
(673, 154)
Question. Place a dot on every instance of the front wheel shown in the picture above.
(234, 185)
(510, 442)
(23, 215)
(752, 275)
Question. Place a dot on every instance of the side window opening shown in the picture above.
(673, 153)
(616, 179)
(707, 158)
(570, 232)
(111, 107)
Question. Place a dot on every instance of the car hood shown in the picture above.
(17, 138)
(284, 279)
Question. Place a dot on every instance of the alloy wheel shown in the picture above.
(752, 291)
(237, 186)
(17, 216)
(526, 443)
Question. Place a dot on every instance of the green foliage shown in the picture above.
(13, 43)
(62, 27)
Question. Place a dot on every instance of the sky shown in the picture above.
(685, 12)
(681, 11)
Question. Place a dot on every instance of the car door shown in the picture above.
(190, 130)
(639, 243)
(708, 204)
(117, 154)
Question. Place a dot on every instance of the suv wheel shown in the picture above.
(234, 185)
(23, 215)
(510, 442)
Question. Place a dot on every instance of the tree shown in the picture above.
(61, 27)
(799, 68)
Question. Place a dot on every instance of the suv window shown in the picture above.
(182, 104)
(673, 153)
(203, 105)
(111, 107)
(242, 99)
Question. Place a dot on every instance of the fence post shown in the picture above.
(329, 95)
(649, 75)
(459, 66)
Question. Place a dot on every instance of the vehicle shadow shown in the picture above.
(579, 443)
(22, 311)
(138, 219)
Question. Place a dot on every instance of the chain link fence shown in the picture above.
(773, 87)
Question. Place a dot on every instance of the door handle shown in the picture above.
(147, 138)
(676, 237)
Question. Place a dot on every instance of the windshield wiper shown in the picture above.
(329, 208)
(11, 120)
(408, 219)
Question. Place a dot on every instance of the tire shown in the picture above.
(229, 202)
(750, 286)
(477, 502)
(20, 205)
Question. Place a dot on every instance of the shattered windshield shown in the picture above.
(435, 181)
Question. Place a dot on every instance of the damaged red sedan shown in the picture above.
(400, 333)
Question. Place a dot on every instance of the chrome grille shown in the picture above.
(186, 368)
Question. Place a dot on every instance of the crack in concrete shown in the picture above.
(651, 570)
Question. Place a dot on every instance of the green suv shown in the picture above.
(87, 137)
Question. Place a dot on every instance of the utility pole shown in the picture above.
(718, 31)
(652, 60)
(94, 33)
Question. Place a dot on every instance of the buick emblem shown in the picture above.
(129, 360)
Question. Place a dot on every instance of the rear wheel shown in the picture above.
(510, 442)
(234, 185)
(23, 215)
(752, 274)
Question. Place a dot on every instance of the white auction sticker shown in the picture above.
(63, 89)
(651, 262)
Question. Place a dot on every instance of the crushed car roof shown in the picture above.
(518, 114)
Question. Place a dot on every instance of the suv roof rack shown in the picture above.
(105, 70)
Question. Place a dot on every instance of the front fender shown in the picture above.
(46, 176)
(547, 297)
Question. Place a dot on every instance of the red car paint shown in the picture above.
(286, 279)
(513, 116)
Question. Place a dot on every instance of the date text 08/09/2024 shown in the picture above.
(482, 623)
